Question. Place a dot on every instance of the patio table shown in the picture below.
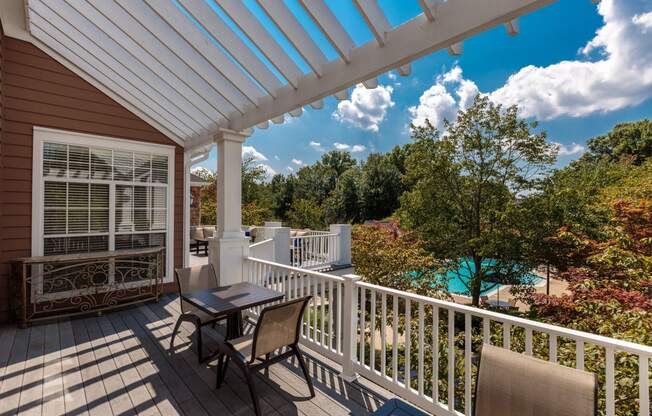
(231, 301)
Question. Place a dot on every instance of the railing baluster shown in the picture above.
(610, 386)
(467, 364)
(579, 354)
(552, 340)
(363, 324)
(486, 330)
(340, 333)
(435, 354)
(395, 339)
(528, 341)
(383, 330)
(313, 292)
(644, 385)
(408, 343)
(372, 341)
(451, 360)
(322, 303)
(420, 346)
(507, 335)
(330, 315)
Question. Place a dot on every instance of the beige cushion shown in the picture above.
(197, 233)
(514, 384)
(209, 232)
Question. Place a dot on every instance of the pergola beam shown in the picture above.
(296, 34)
(375, 18)
(330, 26)
(263, 40)
(230, 41)
(457, 20)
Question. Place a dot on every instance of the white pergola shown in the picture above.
(191, 73)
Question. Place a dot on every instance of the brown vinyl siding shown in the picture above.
(36, 90)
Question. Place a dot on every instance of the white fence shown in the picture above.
(315, 250)
(426, 350)
(322, 323)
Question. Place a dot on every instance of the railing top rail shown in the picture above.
(261, 243)
(620, 345)
(314, 236)
(297, 269)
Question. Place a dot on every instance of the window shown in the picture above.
(99, 194)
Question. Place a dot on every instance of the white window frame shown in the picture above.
(44, 134)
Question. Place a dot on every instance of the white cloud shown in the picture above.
(290, 169)
(391, 75)
(573, 149)
(250, 151)
(341, 146)
(367, 108)
(357, 148)
(442, 100)
(620, 77)
(316, 145)
(297, 162)
(276, 157)
(644, 20)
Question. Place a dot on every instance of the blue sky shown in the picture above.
(576, 67)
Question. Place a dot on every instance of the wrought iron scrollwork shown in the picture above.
(79, 283)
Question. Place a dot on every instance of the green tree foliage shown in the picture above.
(466, 182)
(385, 256)
(343, 204)
(380, 187)
(306, 214)
(630, 141)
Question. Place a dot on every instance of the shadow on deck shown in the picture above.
(120, 364)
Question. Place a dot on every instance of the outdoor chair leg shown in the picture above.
(295, 348)
(200, 355)
(252, 390)
(220, 370)
(175, 330)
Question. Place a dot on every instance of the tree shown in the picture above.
(317, 181)
(384, 255)
(343, 204)
(631, 140)
(306, 214)
(466, 183)
(282, 189)
(380, 187)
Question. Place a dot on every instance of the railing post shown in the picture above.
(349, 326)
(281, 236)
(343, 255)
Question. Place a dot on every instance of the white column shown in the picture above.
(186, 209)
(282, 245)
(344, 243)
(230, 247)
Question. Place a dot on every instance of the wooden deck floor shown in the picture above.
(120, 364)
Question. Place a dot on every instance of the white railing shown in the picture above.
(322, 323)
(263, 250)
(314, 251)
(426, 350)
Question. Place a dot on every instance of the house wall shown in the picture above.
(35, 90)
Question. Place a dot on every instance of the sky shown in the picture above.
(576, 67)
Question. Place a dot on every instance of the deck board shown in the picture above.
(121, 364)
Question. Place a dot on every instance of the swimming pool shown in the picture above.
(458, 278)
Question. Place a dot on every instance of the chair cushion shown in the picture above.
(209, 232)
(197, 233)
(242, 346)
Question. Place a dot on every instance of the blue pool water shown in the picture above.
(458, 278)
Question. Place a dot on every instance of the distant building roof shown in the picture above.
(197, 181)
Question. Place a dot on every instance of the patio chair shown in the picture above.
(277, 328)
(190, 279)
(197, 235)
(514, 384)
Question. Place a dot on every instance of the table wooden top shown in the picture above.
(230, 299)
